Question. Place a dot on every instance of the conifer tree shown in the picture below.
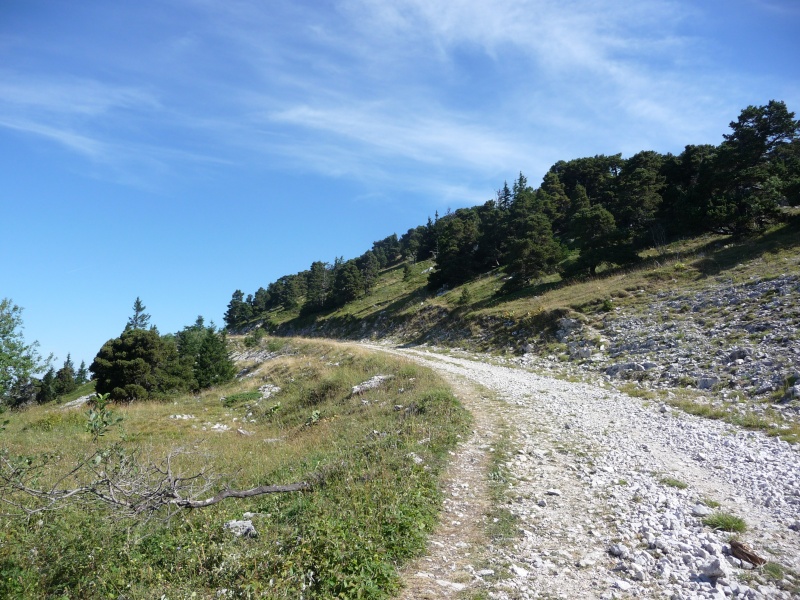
(82, 376)
(213, 365)
(239, 311)
(532, 249)
(47, 392)
(318, 286)
(140, 319)
(370, 267)
(348, 285)
(750, 175)
(140, 364)
(65, 378)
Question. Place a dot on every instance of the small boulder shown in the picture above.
(369, 384)
(620, 550)
(241, 528)
(706, 383)
(715, 568)
(701, 510)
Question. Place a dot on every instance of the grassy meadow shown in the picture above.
(373, 460)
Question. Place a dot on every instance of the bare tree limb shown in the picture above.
(258, 491)
(116, 478)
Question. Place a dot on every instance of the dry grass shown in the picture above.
(374, 470)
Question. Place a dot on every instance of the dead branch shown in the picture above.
(118, 479)
(258, 491)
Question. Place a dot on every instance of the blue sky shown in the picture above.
(177, 150)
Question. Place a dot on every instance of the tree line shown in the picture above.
(586, 212)
(139, 364)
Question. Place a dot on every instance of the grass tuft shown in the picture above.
(725, 522)
(673, 482)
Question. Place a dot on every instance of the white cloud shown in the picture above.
(77, 142)
(378, 90)
(79, 97)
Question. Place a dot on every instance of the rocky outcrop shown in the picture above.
(731, 338)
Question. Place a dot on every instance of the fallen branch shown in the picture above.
(264, 489)
(117, 479)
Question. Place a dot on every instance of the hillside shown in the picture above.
(578, 479)
(713, 314)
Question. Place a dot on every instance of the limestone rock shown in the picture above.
(241, 528)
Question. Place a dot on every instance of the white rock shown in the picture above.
(519, 571)
(701, 510)
(241, 528)
(716, 567)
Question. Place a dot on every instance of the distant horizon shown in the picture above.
(180, 150)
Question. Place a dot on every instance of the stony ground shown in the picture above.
(608, 493)
(740, 340)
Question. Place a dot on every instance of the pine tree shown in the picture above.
(370, 267)
(140, 319)
(46, 392)
(239, 311)
(82, 376)
(65, 378)
(318, 286)
(532, 249)
(750, 171)
(348, 285)
(140, 364)
(213, 364)
(504, 197)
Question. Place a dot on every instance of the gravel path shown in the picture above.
(597, 486)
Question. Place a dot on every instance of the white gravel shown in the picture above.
(598, 517)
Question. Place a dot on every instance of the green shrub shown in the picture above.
(253, 339)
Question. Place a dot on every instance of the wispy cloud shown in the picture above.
(444, 88)
(79, 97)
(77, 142)
(423, 138)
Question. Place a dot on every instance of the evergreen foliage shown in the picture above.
(47, 391)
(65, 378)
(204, 350)
(532, 249)
(139, 319)
(138, 365)
(369, 265)
(82, 376)
(348, 285)
(598, 210)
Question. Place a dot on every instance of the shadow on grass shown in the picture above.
(736, 252)
(709, 259)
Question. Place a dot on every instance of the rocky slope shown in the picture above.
(733, 337)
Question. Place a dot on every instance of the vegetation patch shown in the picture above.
(372, 461)
(725, 522)
(502, 524)
(240, 398)
(771, 422)
(673, 482)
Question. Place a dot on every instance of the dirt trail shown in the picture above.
(608, 493)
